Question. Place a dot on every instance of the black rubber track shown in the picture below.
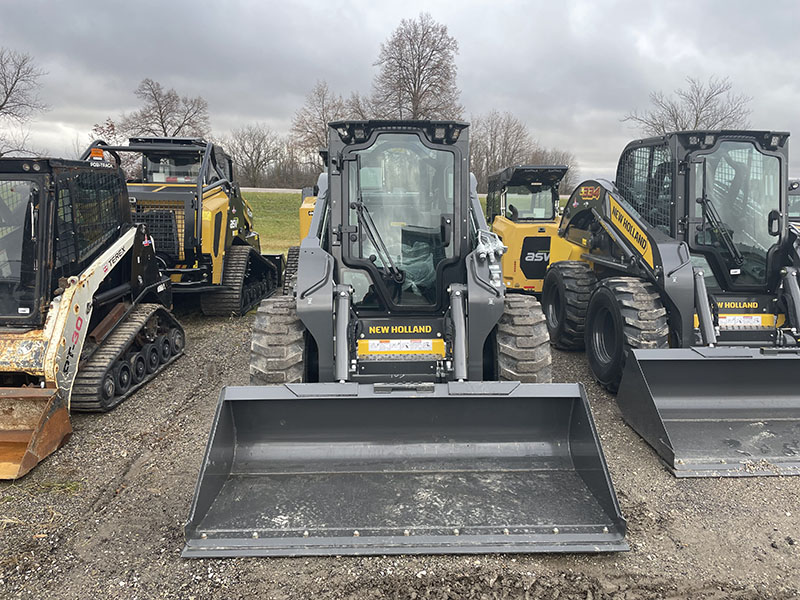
(292, 258)
(86, 390)
(241, 290)
(276, 350)
(523, 345)
(565, 298)
(642, 320)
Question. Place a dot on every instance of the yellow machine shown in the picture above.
(201, 224)
(522, 207)
(309, 201)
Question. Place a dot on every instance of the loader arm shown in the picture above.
(68, 319)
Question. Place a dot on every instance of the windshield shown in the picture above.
(737, 186)
(17, 198)
(534, 202)
(401, 195)
(172, 169)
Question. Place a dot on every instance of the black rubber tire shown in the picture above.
(565, 298)
(152, 358)
(138, 368)
(123, 378)
(277, 348)
(176, 340)
(523, 346)
(290, 272)
(164, 349)
(624, 313)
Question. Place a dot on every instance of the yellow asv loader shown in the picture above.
(84, 311)
(522, 209)
(202, 226)
(401, 401)
(685, 295)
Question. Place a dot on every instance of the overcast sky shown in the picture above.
(570, 70)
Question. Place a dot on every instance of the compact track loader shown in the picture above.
(201, 224)
(683, 289)
(84, 311)
(397, 412)
(522, 209)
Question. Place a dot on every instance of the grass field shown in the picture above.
(277, 219)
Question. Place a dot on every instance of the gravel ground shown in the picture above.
(103, 517)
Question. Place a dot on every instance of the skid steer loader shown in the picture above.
(522, 209)
(201, 224)
(84, 317)
(393, 419)
(684, 292)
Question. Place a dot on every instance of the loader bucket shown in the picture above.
(716, 412)
(332, 469)
(34, 423)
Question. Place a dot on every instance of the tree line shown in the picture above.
(415, 79)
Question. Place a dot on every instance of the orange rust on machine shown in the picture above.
(590, 192)
(35, 424)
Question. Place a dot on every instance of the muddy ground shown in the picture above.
(103, 517)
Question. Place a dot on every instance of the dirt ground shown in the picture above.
(103, 517)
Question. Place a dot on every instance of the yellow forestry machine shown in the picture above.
(401, 401)
(201, 224)
(84, 311)
(683, 288)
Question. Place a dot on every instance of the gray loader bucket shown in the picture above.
(716, 412)
(329, 469)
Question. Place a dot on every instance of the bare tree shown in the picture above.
(254, 148)
(165, 113)
(417, 78)
(498, 140)
(310, 122)
(501, 140)
(703, 105)
(19, 99)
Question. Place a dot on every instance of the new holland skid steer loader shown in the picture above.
(684, 292)
(522, 209)
(201, 224)
(393, 419)
(84, 318)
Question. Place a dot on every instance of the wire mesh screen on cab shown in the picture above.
(644, 177)
(91, 207)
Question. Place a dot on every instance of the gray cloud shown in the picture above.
(571, 70)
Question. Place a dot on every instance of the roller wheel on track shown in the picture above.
(123, 377)
(164, 348)
(276, 352)
(624, 313)
(176, 341)
(290, 272)
(242, 287)
(565, 298)
(523, 346)
(138, 368)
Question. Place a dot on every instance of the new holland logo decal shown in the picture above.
(625, 225)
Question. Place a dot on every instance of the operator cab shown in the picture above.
(524, 193)
(719, 191)
(55, 218)
(402, 228)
